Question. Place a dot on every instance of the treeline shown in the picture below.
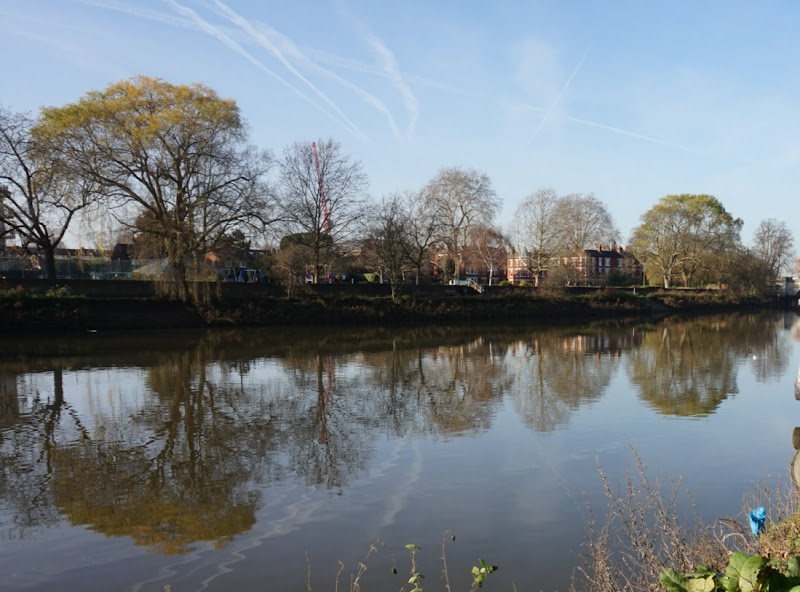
(172, 169)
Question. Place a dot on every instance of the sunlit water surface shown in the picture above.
(259, 459)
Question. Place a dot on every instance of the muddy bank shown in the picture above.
(20, 312)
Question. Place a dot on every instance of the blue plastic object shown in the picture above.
(757, 518)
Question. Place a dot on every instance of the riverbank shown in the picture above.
(60, 309)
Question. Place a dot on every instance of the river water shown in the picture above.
(261, 459)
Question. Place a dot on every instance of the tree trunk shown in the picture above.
(50, 262)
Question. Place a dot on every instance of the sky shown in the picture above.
(628, 100)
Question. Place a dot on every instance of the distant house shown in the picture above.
(590, 267)
(593, 267)
(517, 268)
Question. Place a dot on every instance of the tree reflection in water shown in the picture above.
(688, 367)
(172, 443)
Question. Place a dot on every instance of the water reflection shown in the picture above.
(687, 368)
(171, 441)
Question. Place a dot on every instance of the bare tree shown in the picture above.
(40, 198)
(462, 198)
(387, 245)
(322, 197)
(585, 221)
(488, 247)
(537, 231)
(177, 153)
(423, 227)
(773, 244)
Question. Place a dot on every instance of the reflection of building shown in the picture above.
(9, 401)
(602, 342)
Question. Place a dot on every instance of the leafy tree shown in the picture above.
(746, 274)
(41, 197)
(462, 198)
(773, 244)
(177, 153)
(322, 197)
(683, 236)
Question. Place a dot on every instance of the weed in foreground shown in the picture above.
(644, 535)
(644, 531)
(415, 581)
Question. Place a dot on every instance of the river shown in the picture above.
(268, 458)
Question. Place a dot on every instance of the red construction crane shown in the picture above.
(323, 201)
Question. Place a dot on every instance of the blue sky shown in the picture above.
(629, 100)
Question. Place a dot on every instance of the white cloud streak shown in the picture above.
(265, 43)
(189, 19)
(389, 68)
(144, 13)
(558, 98)
(285, 50)
(630, 134)
(294, 52)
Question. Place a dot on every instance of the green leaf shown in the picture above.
(704, 583)
(673, 581)
(412, 547)
(475, 571)
(483, 563)
(792, 567)
(748, 578)
(729, 583)
(734, 569)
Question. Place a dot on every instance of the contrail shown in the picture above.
(392, 72)
(292, 51)
(623, 132)
(245, 25)
(295, 53)
(195, 22)
(141, 13)
(558, 98)
(356, 66)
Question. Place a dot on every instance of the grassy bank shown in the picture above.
(60, 309)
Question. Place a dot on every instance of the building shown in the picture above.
(517, 270)
(590, 267)
(595, 267)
